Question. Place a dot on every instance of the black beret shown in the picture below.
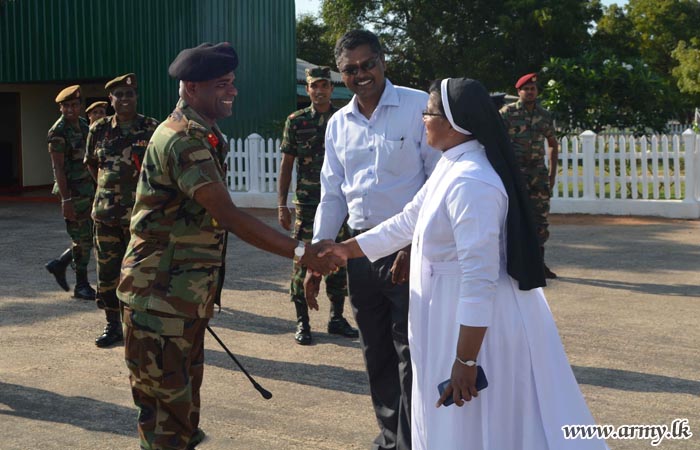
(204, 62)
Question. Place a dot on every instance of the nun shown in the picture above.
(476, 297)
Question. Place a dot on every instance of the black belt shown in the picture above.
(354, 232)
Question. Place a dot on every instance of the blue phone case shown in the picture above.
(481, 383)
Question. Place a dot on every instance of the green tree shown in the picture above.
(495, 41)
(589, 92)
(314, 43)
(687, 72)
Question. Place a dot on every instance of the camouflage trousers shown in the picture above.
(538, 188)
(336, 283)
(165, 358)
(80, 232)
(110, 246)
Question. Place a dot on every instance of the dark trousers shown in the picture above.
(381, 313)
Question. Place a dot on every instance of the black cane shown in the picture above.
(267, 395)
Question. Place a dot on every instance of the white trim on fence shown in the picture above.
(598, 174)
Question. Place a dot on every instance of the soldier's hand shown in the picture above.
(68, 210)
(284, 217)
(326, 264)
(312, 284)
(401, 268)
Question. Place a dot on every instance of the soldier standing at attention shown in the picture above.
(96, 111)
(114, 153)
(75, 188)
(172, 273)
(303, 140)
(528, 125)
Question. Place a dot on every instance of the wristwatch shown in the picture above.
(468, 363)
(299, 251)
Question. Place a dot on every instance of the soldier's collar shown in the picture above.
(195, 120)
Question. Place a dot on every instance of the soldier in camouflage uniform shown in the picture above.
(303, 141)
(74, 186)
(115, 149)
(96, 111)
(172, 273)
(528, 125)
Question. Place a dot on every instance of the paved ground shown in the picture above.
(627, 306)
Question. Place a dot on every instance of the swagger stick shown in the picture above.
(264, 392)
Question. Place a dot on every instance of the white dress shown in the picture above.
(456, 224)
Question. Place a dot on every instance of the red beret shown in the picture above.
(530, 77)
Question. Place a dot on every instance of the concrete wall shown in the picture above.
(38, 112)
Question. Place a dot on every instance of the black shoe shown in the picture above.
(303, 334)
(196, 439)
(57, 268)
(111, 335)
(84, 292)
(548, 273)
(342, 327)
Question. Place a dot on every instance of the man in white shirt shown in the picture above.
(376, 160)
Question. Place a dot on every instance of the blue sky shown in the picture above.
(313, 6)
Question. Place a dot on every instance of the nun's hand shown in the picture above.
(462, 385)
(401, 269)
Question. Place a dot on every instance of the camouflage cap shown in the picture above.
(128, 79)
(68, 93)
(529, 78)
(101, 104)
(317, 73)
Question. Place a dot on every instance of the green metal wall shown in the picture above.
(74, 40)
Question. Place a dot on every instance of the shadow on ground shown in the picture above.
(634, 381)
(86, 413)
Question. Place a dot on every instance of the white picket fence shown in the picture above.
(620, 175)
(627, 175)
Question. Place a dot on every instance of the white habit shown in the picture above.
(456, 223)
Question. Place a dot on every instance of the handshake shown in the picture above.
(324, 257)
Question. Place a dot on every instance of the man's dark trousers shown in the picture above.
(381, 313)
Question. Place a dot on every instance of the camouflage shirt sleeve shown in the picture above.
(289, 142)
(57, 141)
(90, 157)
(505, 116)
(192, 165)
(548, 124)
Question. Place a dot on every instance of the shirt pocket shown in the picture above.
(398, 158)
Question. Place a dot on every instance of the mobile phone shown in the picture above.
(481, 383)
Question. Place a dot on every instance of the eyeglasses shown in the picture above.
(365, 66)
(427, 114)
(124, 94)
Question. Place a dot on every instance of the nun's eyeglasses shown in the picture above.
(426, 113)
(366, 66)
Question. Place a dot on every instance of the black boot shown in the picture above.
(57, 268)
(337, 323)
(303, 333)
(547, 273)
(112, 333)
(197, 438)
(83, 290)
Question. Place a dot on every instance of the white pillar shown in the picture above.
(588, 148)
(253, 143)
(691, 175)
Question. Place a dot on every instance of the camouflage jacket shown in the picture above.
(173, 261)
(117, 154)
(304, 138)
(70, 143)
(527, 131)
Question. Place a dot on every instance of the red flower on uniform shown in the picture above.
(213, 140)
